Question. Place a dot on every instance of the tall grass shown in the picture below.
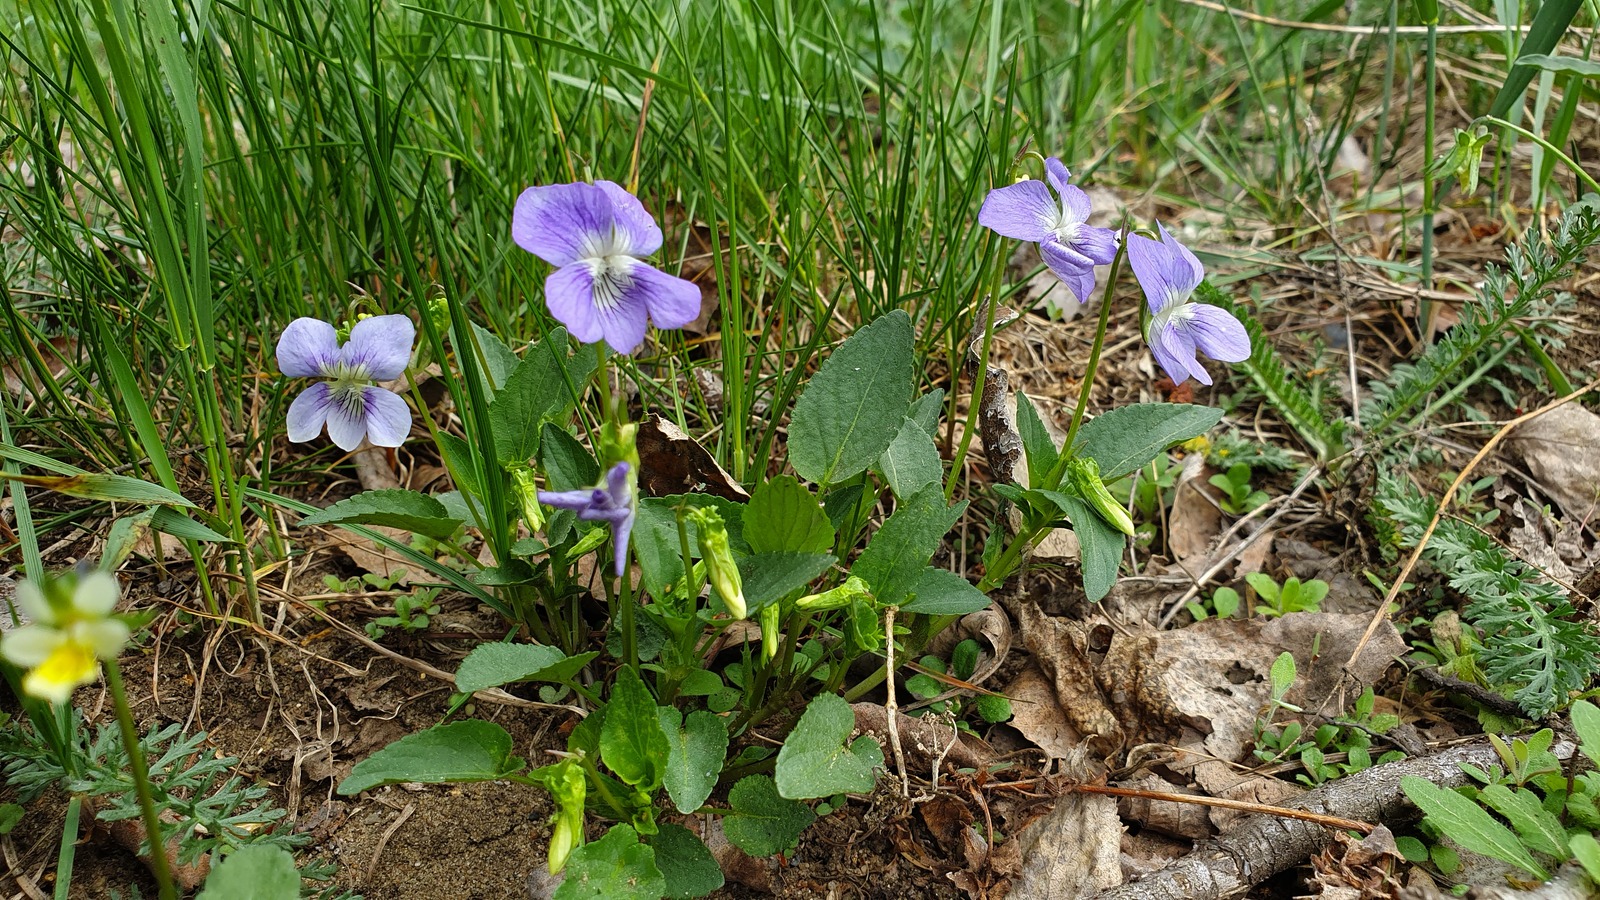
(183, 180)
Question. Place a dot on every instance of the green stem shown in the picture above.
(1053, 480)
(1425, 305)
(159, 865)
(1558, 379)
(1588, 180)
(69, 846)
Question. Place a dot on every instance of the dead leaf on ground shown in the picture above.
(1198, 689)
(373, 469)
(737, 866)
(1035, 713)
(19, 374)
(923, 739)
(1184, 820)
(672, 462)
(1194, 520)
(1364, 866)
(369, 556)
(1557, 449)
(1072, 851)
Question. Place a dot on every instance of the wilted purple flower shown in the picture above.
(595, 234)
(1179, 327)
(378, 350)
(612, 503)
(1069, 245)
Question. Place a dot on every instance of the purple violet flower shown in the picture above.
(595, 236)
(612, 503)
(379, 349)
(1179, 327)
(1027, 211)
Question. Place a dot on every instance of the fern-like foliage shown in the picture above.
(1525, 287)
(1323, 430)
(1534, 641)
(215, 809)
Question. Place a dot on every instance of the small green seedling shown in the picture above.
(1292, 596)
(412, 612)
(963, 663)
(1237, 495)
(1222, 603)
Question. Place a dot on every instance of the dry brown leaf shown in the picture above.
(1072, 851)
(1194, 520)
(1035, 713)
(369, 556)
(1184, 820)
(1558, 450)
(1198, 689)
(672, 462)
(923, 739)
(19, 375)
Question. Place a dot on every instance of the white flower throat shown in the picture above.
(347, 387)
(610, 268)
(1175, 311)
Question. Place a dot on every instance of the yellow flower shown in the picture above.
(71, 630)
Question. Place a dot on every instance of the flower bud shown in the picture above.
(1084, 476)
(439, 314)
(853, 590)
(721, 570)
(568, 788)
(526, 493)
(771, 616)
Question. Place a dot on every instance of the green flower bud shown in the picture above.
(618, 443)
(568, 787)
(526, 493)
(1084, 476)
(771, 616)
(854, 590)
(721, 570)
(439, 314)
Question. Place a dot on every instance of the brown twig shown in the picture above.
(383, 841)
(1261, 846)
(1224, 803)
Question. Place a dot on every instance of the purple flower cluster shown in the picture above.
(348, 402)
(595, 236)
(1059, 224)
(612, 502)
(1057, 219)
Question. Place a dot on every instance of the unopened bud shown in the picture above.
(526, 492)
(721, 570)
(568, 788)
(770, 618)
(1084, 476)
(439, 314)
(854, 590)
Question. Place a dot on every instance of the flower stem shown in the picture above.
(1107, 297)
(1019, 542)
(159, 865)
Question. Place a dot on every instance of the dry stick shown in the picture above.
(1382, 613)
(1223, 803)
(1261, 846)
(893, 706)
(383, 842)
(1233, 552)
